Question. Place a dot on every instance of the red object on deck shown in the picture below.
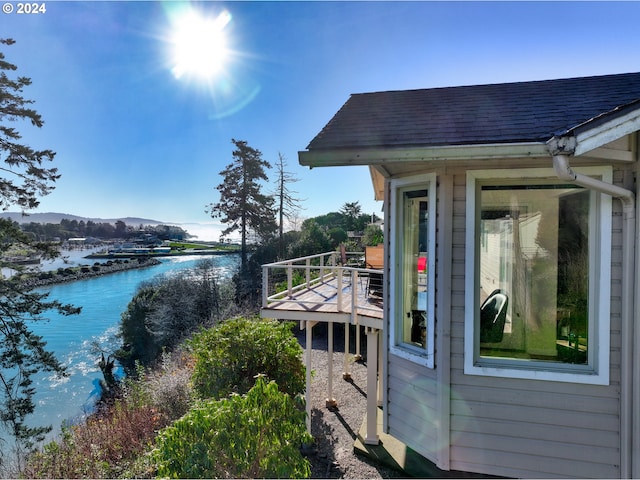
(422, 264)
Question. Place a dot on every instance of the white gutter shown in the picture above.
(629, 364)
(448, 154)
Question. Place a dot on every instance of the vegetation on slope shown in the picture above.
(161, 426)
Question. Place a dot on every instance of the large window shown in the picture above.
(540, 276)
(413, 262)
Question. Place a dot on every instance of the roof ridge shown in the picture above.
(503, 84)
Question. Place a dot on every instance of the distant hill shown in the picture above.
(52, 217)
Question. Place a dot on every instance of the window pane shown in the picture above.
(534, 272)
(413, 329)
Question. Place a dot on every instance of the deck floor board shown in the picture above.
(323, 297)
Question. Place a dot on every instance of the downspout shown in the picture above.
(627, 363)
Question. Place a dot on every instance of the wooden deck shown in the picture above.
(331, 300)
(317, 289)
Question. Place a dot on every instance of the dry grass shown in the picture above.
(114, 441)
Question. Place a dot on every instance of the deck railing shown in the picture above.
(287, 280)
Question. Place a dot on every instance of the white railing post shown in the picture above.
(308, 271)
(339, 288)
(290, 278)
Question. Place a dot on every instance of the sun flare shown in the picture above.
(199, 45)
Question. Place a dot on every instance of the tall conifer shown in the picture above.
(24, 176)
(243, 206)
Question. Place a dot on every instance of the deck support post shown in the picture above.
(379, 369)
(372, 387)
(307, 396)
(346, 375)
(331, 402)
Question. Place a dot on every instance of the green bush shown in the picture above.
(230, 355)
(257, 435)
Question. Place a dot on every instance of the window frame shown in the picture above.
(396, 345)
(596, 371)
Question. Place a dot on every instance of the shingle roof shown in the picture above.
(480, 114)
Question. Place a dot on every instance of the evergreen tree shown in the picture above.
(24, 178)
(242, 204)
(351, 212)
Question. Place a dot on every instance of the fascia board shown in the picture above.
(378, 174)
(377, 156)
(607, 132)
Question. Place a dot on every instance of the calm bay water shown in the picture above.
(73, 339)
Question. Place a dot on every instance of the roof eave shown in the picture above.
(595, 133)
(616, 127)
(389, 155)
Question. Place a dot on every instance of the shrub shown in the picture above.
(114, 442)
(373, 236)
(139, 342)
(166, 388)
(230, 355)
(164, 311)
(105, 446)
(257, 435)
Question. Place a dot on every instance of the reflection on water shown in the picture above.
(77, 340)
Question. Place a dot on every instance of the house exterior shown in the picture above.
(510, 343)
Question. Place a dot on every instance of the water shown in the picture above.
(74, 338)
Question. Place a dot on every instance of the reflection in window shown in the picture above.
(534, 271)
(414, 269)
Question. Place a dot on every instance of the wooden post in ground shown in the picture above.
(372, 387)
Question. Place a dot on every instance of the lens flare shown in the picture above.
(202, 54)
(199, 45)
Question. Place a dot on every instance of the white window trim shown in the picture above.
(408, 352)
(597, 372)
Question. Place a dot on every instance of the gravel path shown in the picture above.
(335, 429)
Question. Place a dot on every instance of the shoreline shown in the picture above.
(123, 255)
(83, 272)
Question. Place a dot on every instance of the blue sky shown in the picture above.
(132, 139)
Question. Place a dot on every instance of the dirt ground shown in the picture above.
(335, 429)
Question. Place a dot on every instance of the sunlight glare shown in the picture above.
(199, 45)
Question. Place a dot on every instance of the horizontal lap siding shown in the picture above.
(412, 406)
(521, 428)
